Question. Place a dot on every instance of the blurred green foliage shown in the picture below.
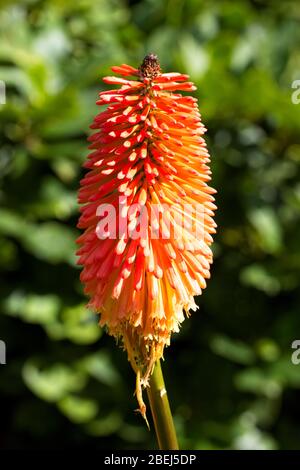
(65, 383)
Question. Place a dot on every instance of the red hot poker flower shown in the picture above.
(147, 211)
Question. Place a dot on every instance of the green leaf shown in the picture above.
(268, 228)
(52, 242)
(256, 381)
(52, 383)
(12, 223)
(77, 324)
(33, 308)
(233, 350)
(101, 367)
(78, 409)
(193, 56)
(259, 277)
(105, 426)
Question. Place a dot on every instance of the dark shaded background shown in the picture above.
(229, 371)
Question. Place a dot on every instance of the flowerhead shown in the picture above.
(147, 211)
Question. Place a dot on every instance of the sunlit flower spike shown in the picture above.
(147, 211)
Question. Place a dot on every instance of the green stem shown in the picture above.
(161, 413)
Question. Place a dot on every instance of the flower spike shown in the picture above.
(147, 211)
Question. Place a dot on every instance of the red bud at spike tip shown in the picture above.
(147, 211)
